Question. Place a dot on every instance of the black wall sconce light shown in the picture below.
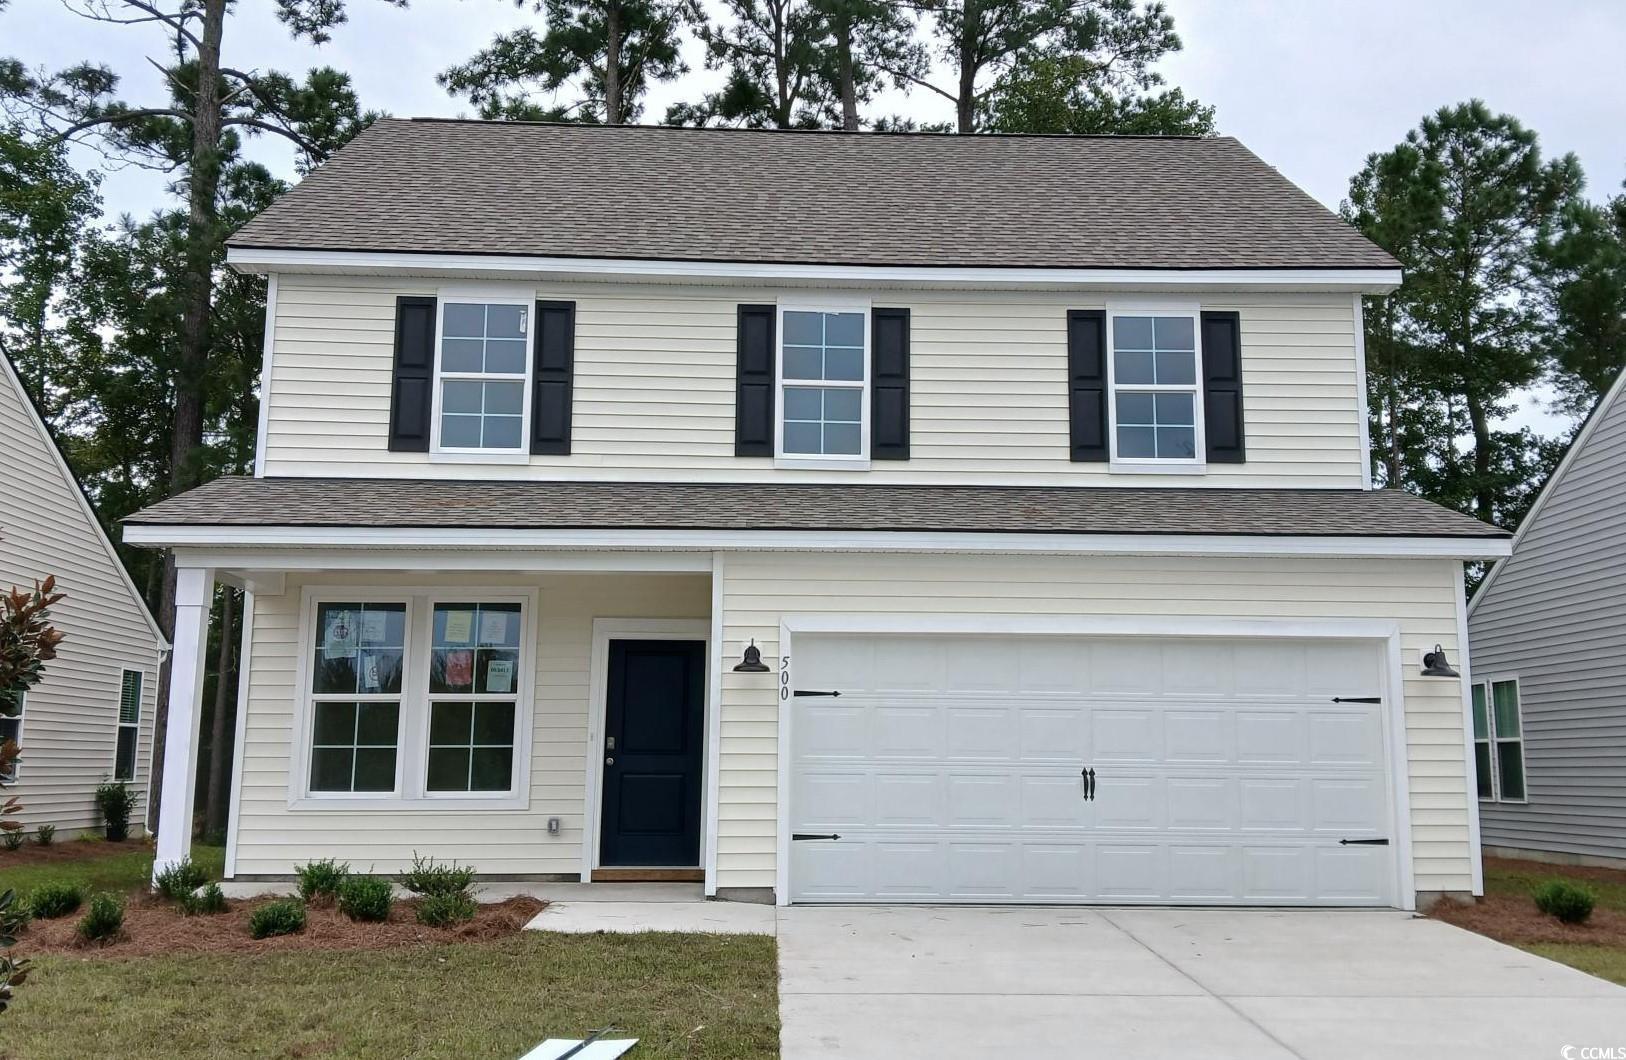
(1435, 664)
(752, 662)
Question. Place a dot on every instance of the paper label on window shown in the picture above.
(374, 627)
(369, 675)
(459, 626)
(493, 627)
(500, 675)
(459, 669)
(340, 635)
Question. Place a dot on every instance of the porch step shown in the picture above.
(649, 875)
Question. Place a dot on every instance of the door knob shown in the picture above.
(609, 761)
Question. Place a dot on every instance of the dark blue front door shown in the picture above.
(654, 726)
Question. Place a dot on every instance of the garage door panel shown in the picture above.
(951, 769)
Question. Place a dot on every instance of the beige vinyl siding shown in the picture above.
(272, 838)
(70, 720)
(654, 387)
(760, 589)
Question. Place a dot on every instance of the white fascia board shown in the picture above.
(520, 267)
(329, 538)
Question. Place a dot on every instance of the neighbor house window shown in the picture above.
(11, 726)
(356, 696)
(1154, 387)
(484, 376)
(124, 755)
(824, 373)
(1499, 741)
(473, 697)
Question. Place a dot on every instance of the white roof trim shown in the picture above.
(254, 260)
(1596, 417)
(78, 492)
(324, 537)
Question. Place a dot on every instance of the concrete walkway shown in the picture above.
(858, 982)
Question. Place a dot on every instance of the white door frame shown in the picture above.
(1385, 633)
(598, 686)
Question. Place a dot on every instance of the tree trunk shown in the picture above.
(214, 813)
(612, 63)
(783, 102)
(965, 104)
(849, 77)
(203, 185)
(1484, 495)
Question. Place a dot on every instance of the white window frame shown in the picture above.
(412, 734)
(520, 695)
(525, 298)
(22, 719)
(1156, 465)
(1496, 740)
(821, 461)
(135, 755)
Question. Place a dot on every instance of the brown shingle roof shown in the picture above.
(326, 502)
(727, 195)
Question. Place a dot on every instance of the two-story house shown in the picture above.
(828, 517)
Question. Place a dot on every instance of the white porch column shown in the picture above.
(194, 593)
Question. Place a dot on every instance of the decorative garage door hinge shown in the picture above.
(1363, 842)
(1357, 699)
(800, 692)
(810, 835)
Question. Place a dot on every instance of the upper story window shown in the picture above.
(483, 376)
(824, 383)
(1156, 408)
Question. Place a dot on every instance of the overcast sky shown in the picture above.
(1313, 88)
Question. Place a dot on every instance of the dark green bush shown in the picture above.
(180, 879)
(207, 902)
(319, 881)
(116, 800)
(428, 876)
(14, 840)
(14, 917)
(51, 900)
(45, 834)
(1569, 902)
(442, 910)
(282, 917)
(366, 898)
(104, 920)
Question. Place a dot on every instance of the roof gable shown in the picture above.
(784, 197)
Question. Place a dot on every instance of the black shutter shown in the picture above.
(555, 361)
(754, 382)
(1087, 385)
(889, 384)
(410, 397)
(1222, 388)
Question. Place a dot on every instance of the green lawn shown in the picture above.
(1605, 962)
(1504, 876)
(680, 995)
(114, 867)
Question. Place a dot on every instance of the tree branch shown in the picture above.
(175, 22)
(303, 144)
(127, 115)
(891, 71)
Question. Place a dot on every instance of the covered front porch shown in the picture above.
(540, 715)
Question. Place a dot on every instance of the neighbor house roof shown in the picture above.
(418, 503)
(832, 198)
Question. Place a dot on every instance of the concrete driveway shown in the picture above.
(1181, 983)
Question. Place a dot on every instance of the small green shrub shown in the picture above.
(207, 902)
(1569, 902)
(366, 898)
(104, 920)
(320, 881)
(51, 900)
(116, 800)
(14, 917)
(45, 834)
(14, 840)
(180, 879)
(282, 917)
(442, 910)
(428, 876)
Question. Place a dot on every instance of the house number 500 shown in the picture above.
(784, 677)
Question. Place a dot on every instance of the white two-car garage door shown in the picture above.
(1117, 770)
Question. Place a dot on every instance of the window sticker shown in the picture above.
(374, 627)
(369, 674)
(459, 628)
(500, 675)
(339, 638)
(493, 627)
(459, 665)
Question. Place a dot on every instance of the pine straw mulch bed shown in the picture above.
(154, 926)
(31, 853)
(1514, 918)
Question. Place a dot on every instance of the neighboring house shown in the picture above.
(595, 461)
(91, 719)
(1548, 629)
